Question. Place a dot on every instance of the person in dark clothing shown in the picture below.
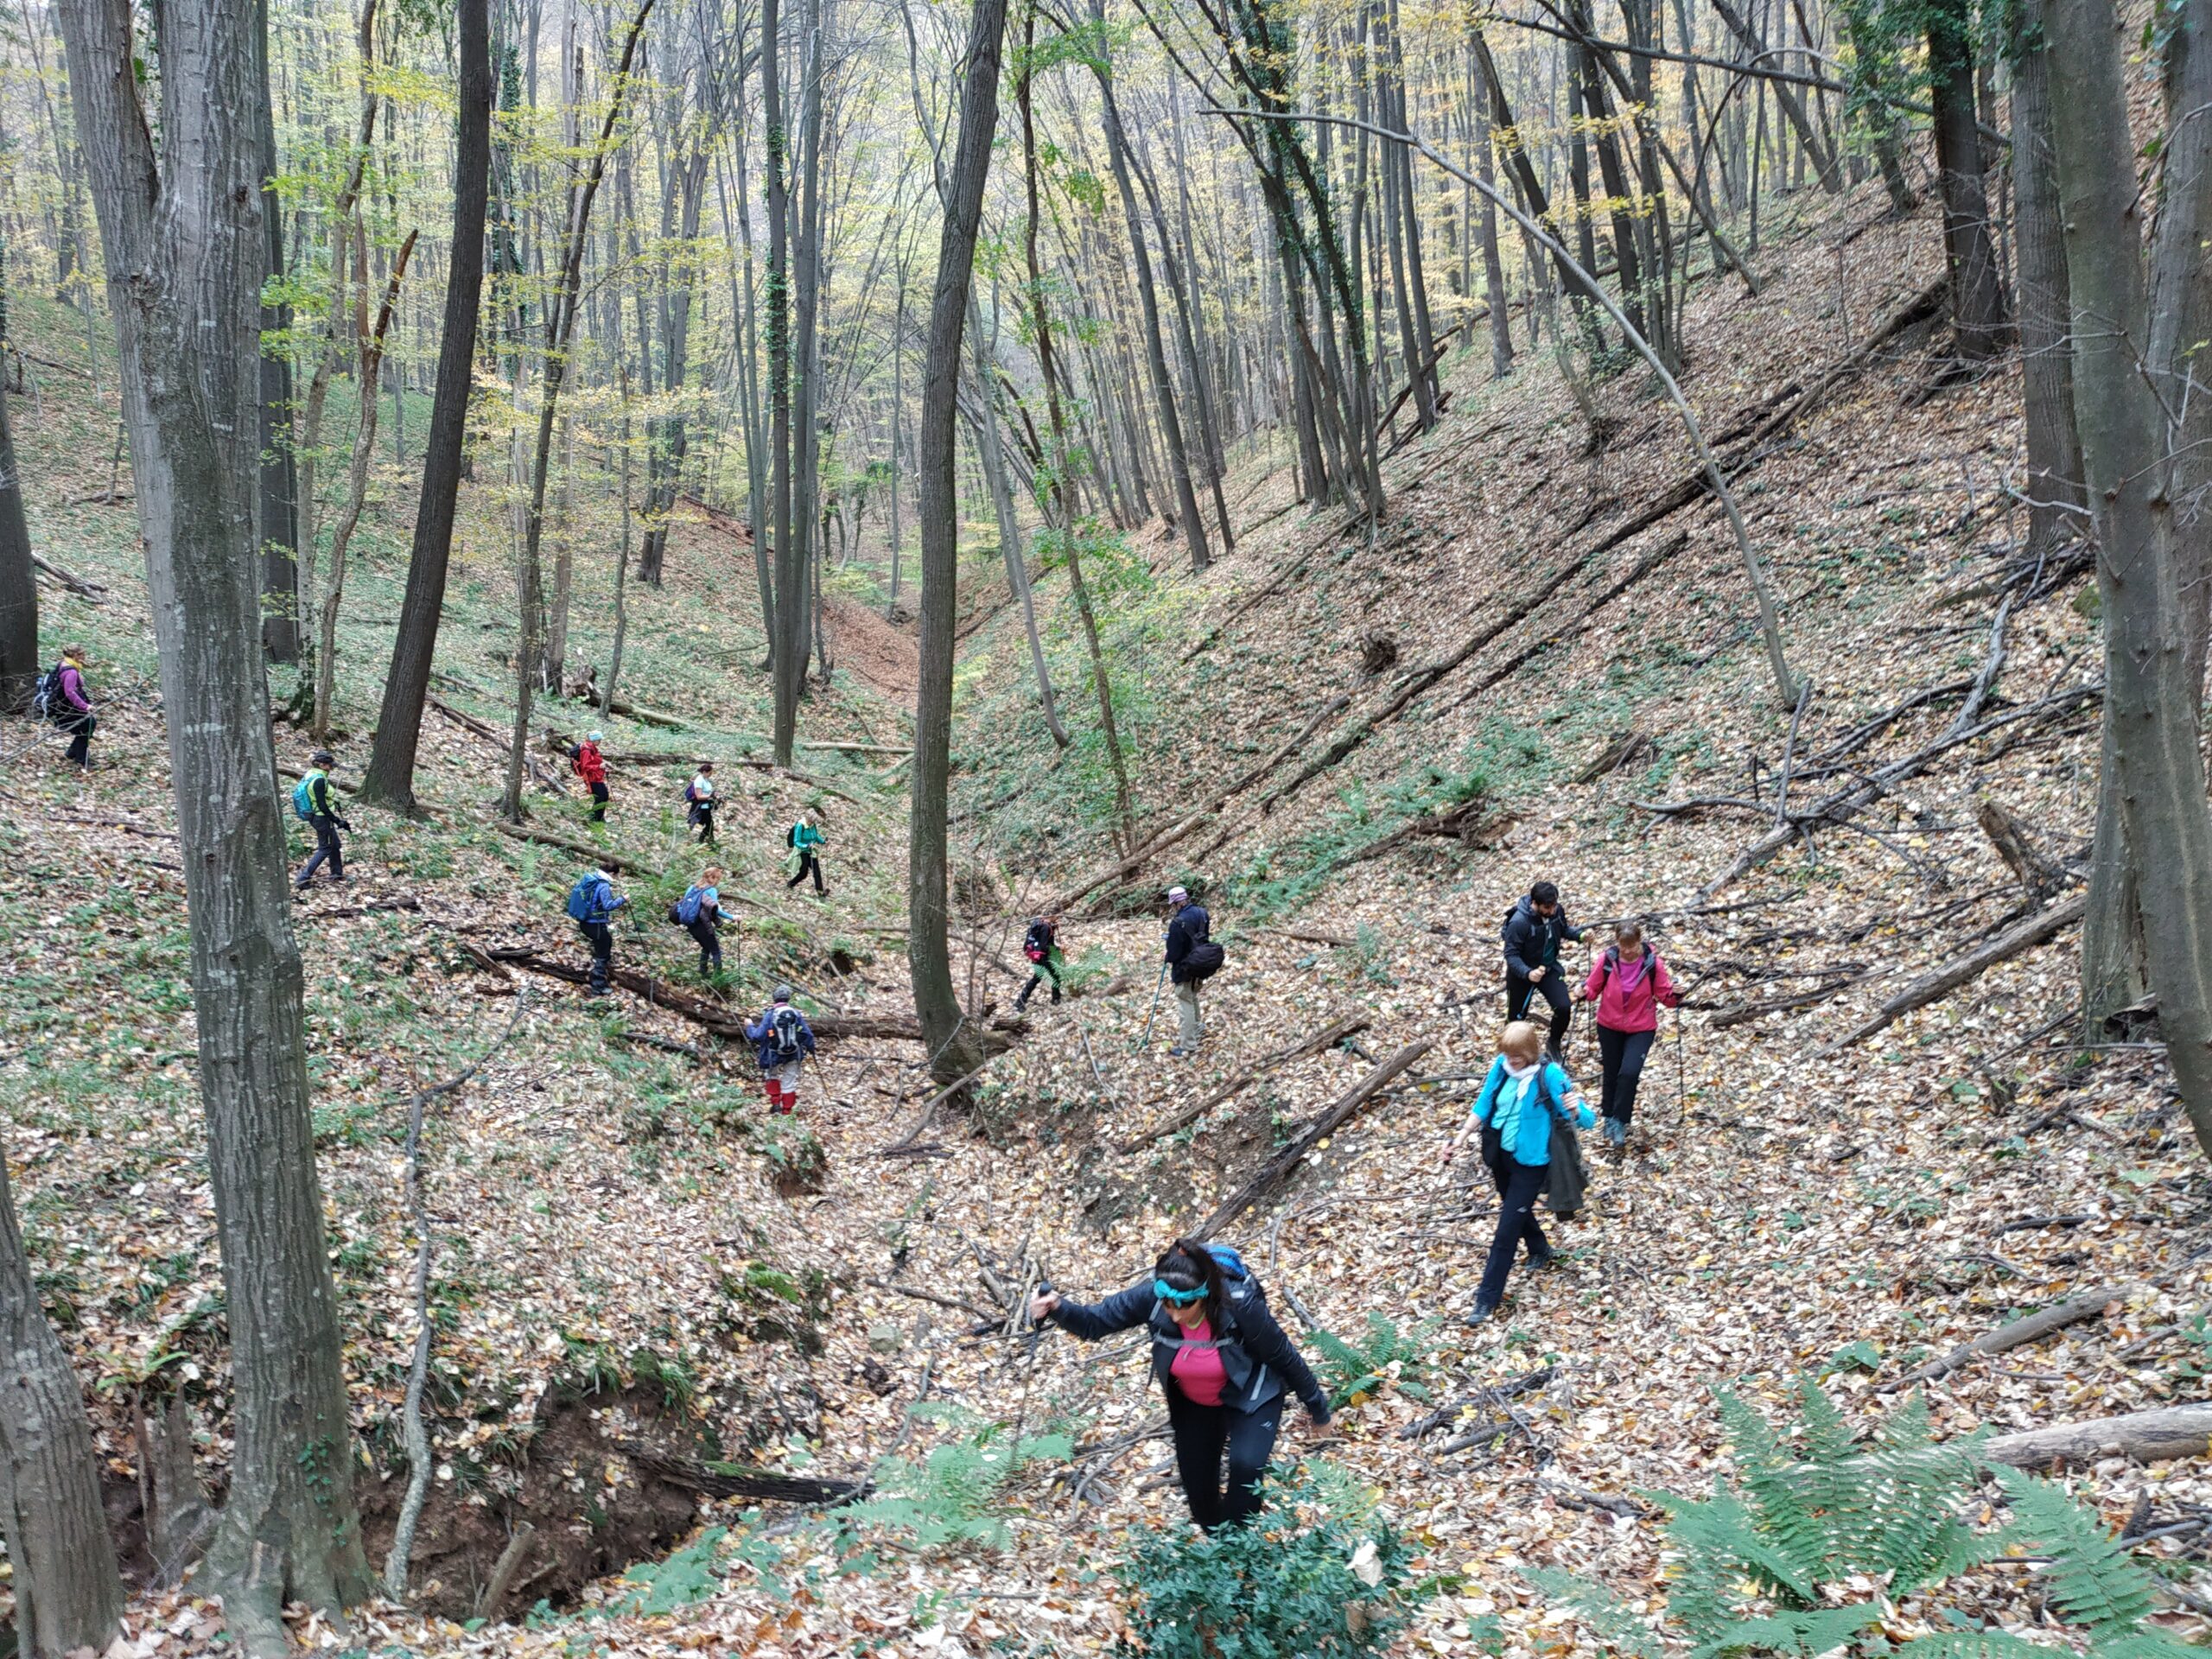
(1041, 945)
(72, 708)
(1523, 1092)
(1629, 982)
(782, 1039)
(700, 913)
(1532, 936)
(1223, 1362)
(593, 902)
(805, 842)
(322, 815)
(591, 765)
(1189, 927)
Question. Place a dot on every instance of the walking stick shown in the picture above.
(1156, 990)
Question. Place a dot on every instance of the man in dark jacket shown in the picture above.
(1041, 945)
(1223, 1364)
(322, 815)
(1188, 926)
(1532, 936)
(781, 1040)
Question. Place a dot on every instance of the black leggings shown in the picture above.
(1519, 1186)
(808, 862)
(1203, 1433)
(1623, 1052)
(600, 938)
(1552, 989)
(710, 944)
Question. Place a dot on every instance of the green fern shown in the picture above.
(952, 1497)
(1359, 1368)
(1756, 1568)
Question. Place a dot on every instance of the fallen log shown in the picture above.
(2146, 1436)
(724, 1020)
(2081, 1304)
(78, 585)
(1272, 1174)
(603, 857)
(1336, 1031)
(1831, 985)
(2038, 928)
(731, 1480)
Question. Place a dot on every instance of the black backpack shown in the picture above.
(1206, 958)
(47, 701)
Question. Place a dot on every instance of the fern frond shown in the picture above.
(1973, 1645)
(1722, 1530)
(1621, 1628)
(2093, 1578)
(1806, 1631)
(2143, 1645)
(1828, 1435)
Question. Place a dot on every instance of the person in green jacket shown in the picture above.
(805, 842)
(322, 815)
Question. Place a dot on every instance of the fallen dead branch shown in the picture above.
(1272, 1174)
(603, 857)
(80, 585)
(1335, 1032)
(2146, 1436)
(728, 1480)
(2081, 1304)
(723, 1020)
(2038, 928)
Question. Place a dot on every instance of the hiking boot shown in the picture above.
(1548, 1259)
(1056, 996)
(1021, 1002)
(1482, 1312)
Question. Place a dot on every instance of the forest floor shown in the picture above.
(642, 1284)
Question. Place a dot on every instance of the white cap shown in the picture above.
(1178, 893)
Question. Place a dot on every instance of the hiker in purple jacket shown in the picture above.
(71, 709)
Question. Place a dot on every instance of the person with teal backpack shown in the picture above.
(1225, 1364)
(1524, 1095)
(592, 903)
(311, 804)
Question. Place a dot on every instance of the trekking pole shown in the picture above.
(1145, 1039)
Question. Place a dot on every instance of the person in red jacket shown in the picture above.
(591, 767)
(1628, 982)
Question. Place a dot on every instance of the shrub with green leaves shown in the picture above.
(1355, 1370)
(1767, 1564)
(953, 1496)
(1318, 1571)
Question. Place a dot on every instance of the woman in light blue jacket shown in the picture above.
(1520, 1098)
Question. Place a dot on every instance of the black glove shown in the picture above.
(346, 825)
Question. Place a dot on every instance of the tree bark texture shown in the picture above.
(1978, 319)
(2151, 696)
(391, 776)
(2054, 483)
(68, 1593)
(19, 663)
(185, 249)
(955, 1049)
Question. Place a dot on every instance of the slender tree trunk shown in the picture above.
(1977, 294)
(185, 249)
(2150, 697)
(954, 1050)
(68, 1591)
(19, 663)
(560, 326)
(280, 524)
(391, 776)
(898, 426)
(2055, 507)
(1163, 387)
(787, 623)
(802, 589)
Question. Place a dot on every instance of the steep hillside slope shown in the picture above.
(644, 1293)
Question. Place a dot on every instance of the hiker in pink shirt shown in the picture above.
(1628, 982)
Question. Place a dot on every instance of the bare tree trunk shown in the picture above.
(19, 663)
(1501, 332)
(787, 625)
(1171, 429)
(2128, 462)
(807, 435)
(68, 1591)
(898, 426)
(955, 1051)
(560, 326)
(2055, 507)
(280, 521)
(357, 489)
(391, 776)
(185, 249)
(1977, 295)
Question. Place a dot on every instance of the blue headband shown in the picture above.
(1167, 1293)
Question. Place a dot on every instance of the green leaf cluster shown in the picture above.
(1358, 1368)
(1761, 1566)
(1317, 1572)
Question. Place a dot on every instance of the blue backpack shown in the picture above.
(1231, 1264)
(583, 897)
(687, 907)
(304, 796)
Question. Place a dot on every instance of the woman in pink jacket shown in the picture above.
(1628, 982)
